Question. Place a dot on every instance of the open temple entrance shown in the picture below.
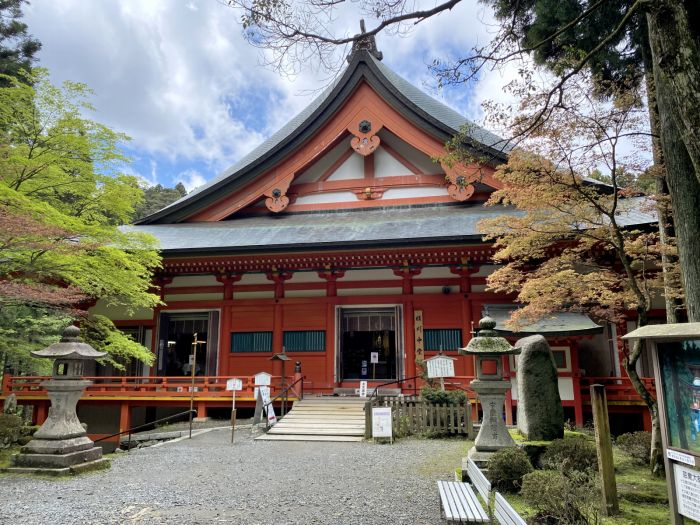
(176, 341)
(366, 335)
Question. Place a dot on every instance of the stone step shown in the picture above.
(283, 437)
(317, 432)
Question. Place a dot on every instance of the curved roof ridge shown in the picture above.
(445, 119)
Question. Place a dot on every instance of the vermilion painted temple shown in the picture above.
(338, 237)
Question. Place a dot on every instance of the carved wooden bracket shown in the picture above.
(461, 181)
(369, 193)
(227, 279)
(331, 276)
(365, 141)
(276, 194)
(278, 277)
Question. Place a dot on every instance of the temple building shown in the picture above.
(339, 237)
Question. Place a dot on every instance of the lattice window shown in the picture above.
(305, 341)
(251, 342)
(446, 339)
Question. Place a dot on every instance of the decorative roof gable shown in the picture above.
(380, 98)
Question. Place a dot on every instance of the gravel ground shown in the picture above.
(207, 480)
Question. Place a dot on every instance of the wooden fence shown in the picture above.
(413, 415)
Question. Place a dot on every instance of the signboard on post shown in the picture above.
(234, 385)
(440, 366)
(374, 358)
(675, 350)
(381, 423)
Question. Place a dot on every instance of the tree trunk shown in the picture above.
(663, 209)
(656, 458)
(684, 188)
(676, 55)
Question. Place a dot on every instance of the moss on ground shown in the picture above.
(643, 498)
(6, 456)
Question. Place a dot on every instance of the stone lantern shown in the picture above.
(491, 386)
(61, 445)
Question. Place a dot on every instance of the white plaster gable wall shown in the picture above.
(319, 167)
(416, 157)
(352, 168)
(387, 166)
(415, 192)
(327, 198)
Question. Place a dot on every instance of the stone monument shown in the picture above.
(540, 412)
(491, 387)
(61, 445)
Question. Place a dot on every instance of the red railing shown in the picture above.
(616, 388)
(123, 386)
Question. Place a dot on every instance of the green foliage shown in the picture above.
(437, 397)
(157, 197)
(562, 499)
(17, 46)
(570, 454)
(24, 329)
(62, 197)
(100, 332)
(507, 467)
(636, 445)
(10, 429)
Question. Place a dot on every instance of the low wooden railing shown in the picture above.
(414, 415)
(123, 386)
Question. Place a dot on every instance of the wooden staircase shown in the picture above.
(321, 419)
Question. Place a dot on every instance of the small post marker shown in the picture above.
(233, 384)
(599, 404)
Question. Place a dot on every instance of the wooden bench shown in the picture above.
(504, 513)
(460, 504)
(479, 480)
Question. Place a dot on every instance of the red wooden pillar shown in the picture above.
(407, 272)
(201, 410)
(225, 329)
(576, 380)
(124, 416)
(40, 412)
(330, 343)
(331, 277)
(646, 420)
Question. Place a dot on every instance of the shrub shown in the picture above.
(10, 426)
(573, 453)
(437, 397)
(636, 445)
(562, 499)
(506, 469)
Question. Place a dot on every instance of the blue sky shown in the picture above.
(180, 80)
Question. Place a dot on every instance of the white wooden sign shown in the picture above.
(261, 378)
(441, 366)
(381, 422)
(374, 358)
(681, 457)
(687, 491)
(270, 410)
(234, 384)
(363, 389)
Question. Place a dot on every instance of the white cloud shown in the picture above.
(190, 179)
(179, 78)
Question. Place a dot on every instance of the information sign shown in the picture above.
(418, 333)
(269, 409)
(687, 491)
(363, 388)
(374, 358)
(440, 366)
(381, 422)
(681, 457)
(234, 384)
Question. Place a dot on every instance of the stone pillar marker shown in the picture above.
(61, 445)
(540, 412)
(491, 387)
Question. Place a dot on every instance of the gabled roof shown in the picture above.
(434, 117)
